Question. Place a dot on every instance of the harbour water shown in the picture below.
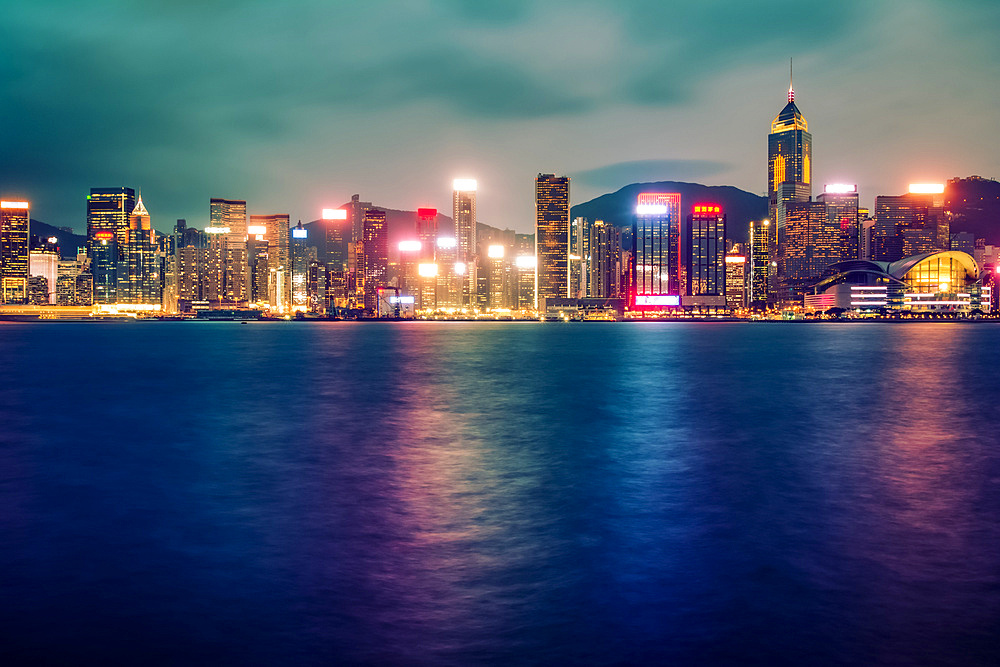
(468, 493)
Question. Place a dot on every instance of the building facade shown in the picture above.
(551, 236)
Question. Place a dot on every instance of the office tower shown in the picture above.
(656, 250)
(464, 215)
(524, 282)
(108, 211)
(706, 274)
(427, 233)
(579, 257)
(407, 278)
(228, 273)
(271, 248)
(761, 246)
(138, 277)
(812, 242)
(496, 278)
(374, 262)
(43, 261)
(736, 264)
(605, 261)
(842, 212)
(14, 254)
(449, 273)
(789, 158)
(192, 265)
(911, 224)
(964, 242)
(300, 258)
(551, 237)
(317, 287)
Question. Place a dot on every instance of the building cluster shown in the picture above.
(675, 259)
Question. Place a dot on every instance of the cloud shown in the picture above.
(613, 176)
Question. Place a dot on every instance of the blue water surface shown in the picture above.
(519, 493)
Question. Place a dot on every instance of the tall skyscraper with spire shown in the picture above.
(138, 276)
(789, 160)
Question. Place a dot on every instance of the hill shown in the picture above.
(618, 207)
(68, 243)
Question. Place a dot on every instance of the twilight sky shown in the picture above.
(295, 105)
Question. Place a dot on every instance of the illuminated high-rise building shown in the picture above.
(138, 274)
(579, 257)
(374, 264)
(841, 203)
(812, 242)
(605, 260)
(736, 265)
(14, 252)
(551, 237)
(911, 224)
(761, 247)
(271, 254)
(656, 250)
(450, 273)
(524, 282)
(300, 258)
(108, 211)
(789, 161)
(464, 215)
(706, 266)
(228, 274)
(43, 261)
(427, 233)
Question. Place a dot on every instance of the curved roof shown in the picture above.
(789, 118)
(902, 267)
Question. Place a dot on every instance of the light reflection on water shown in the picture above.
(456, 493)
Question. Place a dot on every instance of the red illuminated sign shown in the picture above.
(104, 236)
(426, 212)
(707, 209)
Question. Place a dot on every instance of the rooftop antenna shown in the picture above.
(791, 90)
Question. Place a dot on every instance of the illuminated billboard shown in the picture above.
(14, 204)
(104, 236)
(334, 214)
(300, 233)
(926, 188)
(650, 209)
(657, 300)
(426, 212)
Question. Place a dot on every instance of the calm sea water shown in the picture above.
(449, 493)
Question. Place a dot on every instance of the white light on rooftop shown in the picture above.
(334, 214)
(926, 188)
(465, 184)
(650, 209)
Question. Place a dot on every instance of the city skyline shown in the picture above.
(478, 108)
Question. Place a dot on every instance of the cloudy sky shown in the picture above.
(295, 105)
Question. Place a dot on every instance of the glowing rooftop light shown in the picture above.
(217, 230)
(13, 204)
(525, 262)
(650, 209)
(735, 259)
(427, 270)
(465, 184)
(409, 246)
(460, 268)
(495, 252)
(426, 212)
(926, 188)
(255, 230)
(335, 214)
(447, 242)
(53, 240)
(300, 233)
(840, 188)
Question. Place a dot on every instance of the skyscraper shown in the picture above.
(656, 250)
(911, 224)
(300, 259)
(812, 242)
(789, 161)
(551, 237)
(605, 260)
(841, 203)
(374, 263)
(706, 274)
(736, 264)
(138, 275)
(464, 215)
(228, 268)
(14, 251)
(761, 246)
(108, 211)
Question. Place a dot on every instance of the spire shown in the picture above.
(139, 208)
(791, 90)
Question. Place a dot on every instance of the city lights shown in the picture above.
(217, 230)
(495, 252)
(427, 270)
(525, 261)
(334, 214)
(446, 242)
(840, 188)
(409, 246)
